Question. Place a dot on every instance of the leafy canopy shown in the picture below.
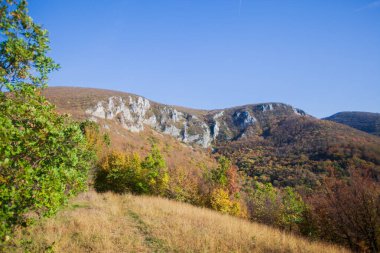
(23, 48)
(43, 159)
(121, 172)
(44, 156)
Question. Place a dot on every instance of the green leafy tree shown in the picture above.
(280, 207)
(23, 48)
(157, 175)
(293, 208)
(223, 189)
(44, 157)
(219, 175)
(264, 204)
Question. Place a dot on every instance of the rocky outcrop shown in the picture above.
(243, 119)
(135, 113)
(131, 113)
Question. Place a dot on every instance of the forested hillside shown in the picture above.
(364, 121)
(273, 142)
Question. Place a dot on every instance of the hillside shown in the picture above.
(299, 152)
(124, 223)
(136, 113)
(364, 121)
(272, 142)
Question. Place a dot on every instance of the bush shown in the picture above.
(96, 140)
(282, 208)
(184, 185)
(223, 185)
(293, 209)
(43, 158)
(155, 172)
(220, 201)
(120, 172)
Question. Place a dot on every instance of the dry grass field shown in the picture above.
(124, 223)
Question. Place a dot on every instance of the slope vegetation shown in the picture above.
(300, 151)
(272, 142)
(364, 121)
(125, 223)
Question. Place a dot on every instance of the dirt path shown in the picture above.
(155, 244)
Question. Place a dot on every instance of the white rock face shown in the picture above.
(298, 111)
(133, 113)
(172, 130)
(206, 139)
(152, 121)
(216, 125)
(267, 107)
(243, 119)
(130, 114)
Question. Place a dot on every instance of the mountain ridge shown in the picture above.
(59, 88)
(201, 127)
(368, 122)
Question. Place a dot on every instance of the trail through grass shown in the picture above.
(124, 223)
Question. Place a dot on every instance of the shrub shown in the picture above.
(283, 208)
(264, 204)
(184, 184)
(293, 209)
(223, 188)
(221, 201)
(96, 140)
(120, 172)
(155, 172)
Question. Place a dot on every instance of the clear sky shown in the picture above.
(322, 56)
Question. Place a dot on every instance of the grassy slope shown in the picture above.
(75, 100)
(113, 223)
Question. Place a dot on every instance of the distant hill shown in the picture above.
(272, 142)
(364, 121)
(109, 222)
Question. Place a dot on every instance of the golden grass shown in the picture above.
(124, 223)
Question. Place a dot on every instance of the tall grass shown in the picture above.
(124, 223)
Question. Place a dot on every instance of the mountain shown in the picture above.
(200, 127)
(364, 121)
(272, 142)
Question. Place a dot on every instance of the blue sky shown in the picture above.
(322, 56)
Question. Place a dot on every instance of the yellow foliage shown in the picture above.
(95, 140)
(221, 201)
(122, 172)
(112, 160)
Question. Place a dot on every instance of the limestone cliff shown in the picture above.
(190, 126)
